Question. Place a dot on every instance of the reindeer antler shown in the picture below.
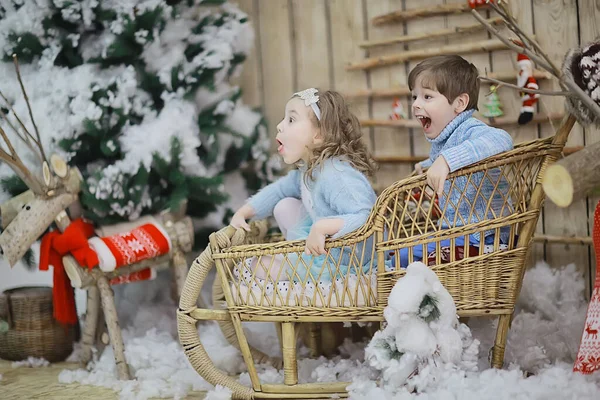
(38, 142)
(17, 165)
(534, 51)
(11, 157)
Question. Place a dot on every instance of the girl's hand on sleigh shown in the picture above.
(418, 168)
(315, 242)
(239, 218)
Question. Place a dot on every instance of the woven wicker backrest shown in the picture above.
(355, 277)
(479, 277)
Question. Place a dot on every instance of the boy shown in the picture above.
(445, 90)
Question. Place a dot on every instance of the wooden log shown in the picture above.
(91, 322)
(112, 323)
(497, 122)
(573, 177)
(181, 234)
(81, 278)
(463, 48)
(399, 91)
(179, 270)
(422, 12)
(457, 30)
(583, 240)
(10, 208)
(30, 223)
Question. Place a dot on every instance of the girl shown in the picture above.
(327, 194)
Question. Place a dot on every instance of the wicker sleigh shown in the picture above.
(484, 280)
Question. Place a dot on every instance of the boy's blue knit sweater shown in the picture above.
(464, 141)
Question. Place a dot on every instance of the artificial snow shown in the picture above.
(219, 393)
(30, 362)
(543, 340)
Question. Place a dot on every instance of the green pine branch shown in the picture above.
(428, 309)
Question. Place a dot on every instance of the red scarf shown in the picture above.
(54, 246)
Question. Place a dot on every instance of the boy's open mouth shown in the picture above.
(280, 147)
(425, 121)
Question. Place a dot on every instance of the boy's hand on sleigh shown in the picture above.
(239, 218)
(315, 242)
(437, 174)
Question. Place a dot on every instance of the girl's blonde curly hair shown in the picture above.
(341, 133)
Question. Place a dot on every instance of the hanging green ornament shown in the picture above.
(493, 107)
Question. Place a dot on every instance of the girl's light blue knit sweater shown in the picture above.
(338, 190)
(463, 142)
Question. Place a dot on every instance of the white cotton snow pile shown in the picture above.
(422, 339)
(219, 393)
(543, 339)
(155, 357)
(31, 362)
(548, 322)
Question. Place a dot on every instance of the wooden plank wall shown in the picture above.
(305, 43)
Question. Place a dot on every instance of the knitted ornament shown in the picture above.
(146, 241)
(588, 356)
(526, 80)
(582, 65)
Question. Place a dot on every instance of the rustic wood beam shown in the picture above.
(398, 91)
(419, 54)
(583, 240)
(421, 12)
(457, 30)
(502, 121)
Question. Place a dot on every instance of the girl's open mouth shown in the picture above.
(280, 147)
(425, 121)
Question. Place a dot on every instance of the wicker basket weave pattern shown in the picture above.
(33, 331)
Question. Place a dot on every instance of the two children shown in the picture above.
(328, 194)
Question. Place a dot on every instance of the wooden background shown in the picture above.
(308, 43)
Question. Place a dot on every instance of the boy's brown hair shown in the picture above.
(449, 75)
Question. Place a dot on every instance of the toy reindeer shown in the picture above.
(83, 256)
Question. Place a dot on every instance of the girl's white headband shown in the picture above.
(310, 99)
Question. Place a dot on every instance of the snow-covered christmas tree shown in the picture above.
(136, 94)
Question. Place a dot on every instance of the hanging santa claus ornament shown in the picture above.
(526, 80)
